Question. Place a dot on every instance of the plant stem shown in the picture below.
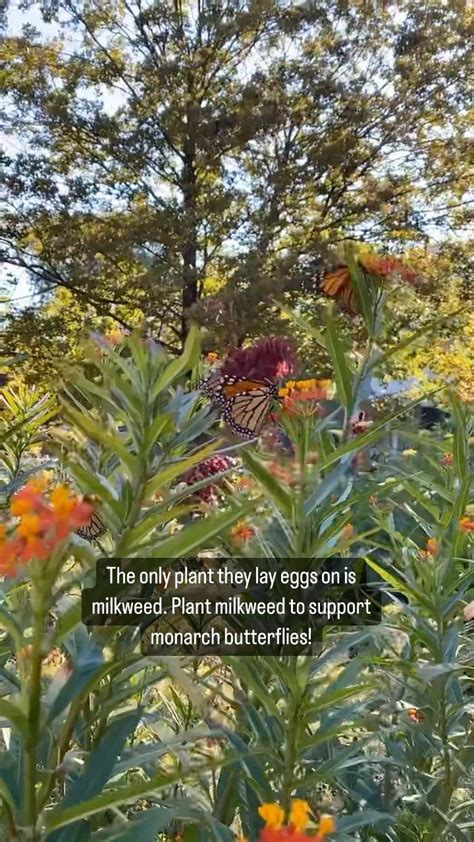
(9, 821)
(34, 710)
(362, 368)
(291, 751)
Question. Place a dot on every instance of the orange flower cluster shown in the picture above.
(299, 396)
(347, 533)
(212, 357)
(43, 524)
(416, 715)
(242, 532)
(384, 266)
(447, 460)
(289, 473)
(432, 548)
(466, 524)
(276, 830)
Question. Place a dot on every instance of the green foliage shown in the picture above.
(93, 706)
(24, 414)
(153, 180)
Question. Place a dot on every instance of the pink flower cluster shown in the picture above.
(271, 359)
(207, 469)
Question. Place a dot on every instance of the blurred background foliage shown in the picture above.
(164, 160)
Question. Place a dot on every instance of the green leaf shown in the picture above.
(347, 824)
(460, 441)
(107, 438)
(342, 372)
(366, 291)
(7, 620)
(98, 770)
(14, 714)
(148, 524)
(325, 489)
(86, 666)
(399, 583)
(142, 755)
(274, 489)
(10, 786)
(176, 469)
(304, 325)
(332, 697)
(181, 365)
(199, 534)
(67, 620)
(143, 827)
(118, 795)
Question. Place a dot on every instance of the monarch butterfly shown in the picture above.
(337, 283)
(95, 528)
(246, 402)
(92, 530)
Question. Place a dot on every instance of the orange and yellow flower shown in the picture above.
(294, 830)
(466, 524)
(416, 715)
(242, 532)
(212, 357)
(43, 523)
(431, 550)
(302, 396)
(348, 532)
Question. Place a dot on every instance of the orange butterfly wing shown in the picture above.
(337, 283)
(230, 390)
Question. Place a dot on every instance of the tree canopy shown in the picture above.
(198, 159)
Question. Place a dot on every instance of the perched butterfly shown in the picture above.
(92, 530)
(337, 283)
(245, 402)
(95, 528)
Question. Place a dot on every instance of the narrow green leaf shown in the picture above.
(342, 372)
(304, 325)
(151, 521)
(14, 714)
(274, 489)
(176, 469)
(7, 620)
(399, 583)
(182, 364)
(107, 438)
(199, 534)
(118, 795)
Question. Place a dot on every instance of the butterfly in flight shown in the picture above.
(245, 402)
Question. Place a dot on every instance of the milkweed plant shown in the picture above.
(370, 737)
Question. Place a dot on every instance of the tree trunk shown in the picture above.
(189, 250)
